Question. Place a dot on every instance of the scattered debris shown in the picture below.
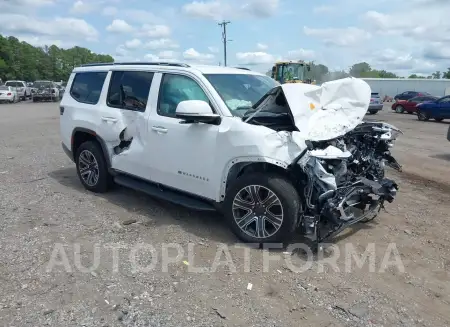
(10, 158)
(129, 222)
(107, 302)
(49, 224)
(48, 311)
(36, 179)
(3, 172)
(186, 263)
(93, 273)
(407, 231)
(249, 286)
(220, 313)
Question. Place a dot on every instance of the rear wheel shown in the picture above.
(438, 119)
(373, 112)
(262, 208)
(92, 168)
(422, 116)
(399, 109)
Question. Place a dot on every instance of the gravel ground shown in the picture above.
(47, 214)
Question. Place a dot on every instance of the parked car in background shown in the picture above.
(21, 87)
(409, 95)
(8, 94)
(45, 91)
(375, 103)
(410, 106)
(437, 110)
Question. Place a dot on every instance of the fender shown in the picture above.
(229, 166)
(98, 138)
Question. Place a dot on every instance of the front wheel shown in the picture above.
(262, 208)
(92, 169)
(438, 119)
(422, 116)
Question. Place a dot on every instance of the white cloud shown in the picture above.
(213, 49)
(411, 23)
(437, 51)
(121, 51)
(168, 54)
(109, 11)
(20, 25)
(220, 9)
(80, 7)
(20, 6)
(401, 62)
(151, 57)
(301, 54)
(262, 46)
(141, 16)
(155, 31)
(194, 55)
(255, 58)
(133, 44)
(342, 37)
(119, 26)
(161, 44)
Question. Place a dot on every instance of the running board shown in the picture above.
(163, 193)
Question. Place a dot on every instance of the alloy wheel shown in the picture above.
(88, 168)
(257, 211)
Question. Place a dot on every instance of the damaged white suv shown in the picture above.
(272, 158)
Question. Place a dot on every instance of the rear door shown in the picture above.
(123, 119)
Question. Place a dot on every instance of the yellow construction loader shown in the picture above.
(292, 72)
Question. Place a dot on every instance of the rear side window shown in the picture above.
(129, 90)
(87, 87)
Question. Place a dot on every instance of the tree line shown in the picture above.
(320, 73)
(22, 61)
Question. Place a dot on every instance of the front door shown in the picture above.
(444, 107)
(182, 155)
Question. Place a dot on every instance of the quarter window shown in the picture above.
(177, 88)
(87, 87)
(129, 90)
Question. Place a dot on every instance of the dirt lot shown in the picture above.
(44, 209)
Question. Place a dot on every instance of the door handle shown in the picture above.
(110, 119)
(159, 129)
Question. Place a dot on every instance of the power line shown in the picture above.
(224, 40)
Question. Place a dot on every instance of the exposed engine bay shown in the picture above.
(341, 180)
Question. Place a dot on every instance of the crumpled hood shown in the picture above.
(330, 110)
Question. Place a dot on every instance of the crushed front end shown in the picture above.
(345, 180)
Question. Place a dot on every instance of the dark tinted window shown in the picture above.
(177, 88)
(416, 99)
(14, 84)
(87, 87)
(446, 99)
(129, 90)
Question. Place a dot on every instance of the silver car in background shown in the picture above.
(376, 104)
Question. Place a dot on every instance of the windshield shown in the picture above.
(241, 91)
(294, 71)
(14, 84)
(42, 84)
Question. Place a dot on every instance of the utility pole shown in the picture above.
(225, 40)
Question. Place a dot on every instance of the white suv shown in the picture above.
(269, 157)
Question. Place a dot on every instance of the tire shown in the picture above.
(287, 206)
(373, 112)
(91, 151)
(34, 100)
(438, 119)
(24, 98)
(399, 109)
(422, 116)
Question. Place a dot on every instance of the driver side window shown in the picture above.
(175, 89)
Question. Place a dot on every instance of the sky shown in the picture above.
(401, 36)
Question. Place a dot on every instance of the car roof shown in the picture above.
(204, 69)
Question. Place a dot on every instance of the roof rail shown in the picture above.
(153, 63)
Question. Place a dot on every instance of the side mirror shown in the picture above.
(196, 111)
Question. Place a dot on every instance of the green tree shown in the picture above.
(359, 69)
(20, 60)
(436, 75)
(446, 74)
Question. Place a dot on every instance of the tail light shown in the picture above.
(9, 93)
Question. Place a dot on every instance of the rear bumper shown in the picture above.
(6, 98)
(375, 107)
(67, 151)
(44, 96)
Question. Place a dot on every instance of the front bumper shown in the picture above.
(375, 107)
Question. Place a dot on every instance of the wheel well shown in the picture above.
(79, 137)
(243, 168)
